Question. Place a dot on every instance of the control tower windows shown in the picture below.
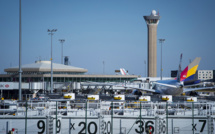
(152, 21)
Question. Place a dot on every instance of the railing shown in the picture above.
(112, 117)
(119, 108)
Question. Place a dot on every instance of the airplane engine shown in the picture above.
(137, 92)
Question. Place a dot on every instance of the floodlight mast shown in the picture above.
(20, 53)
(161, 42)
(62, 41)
(51, 32)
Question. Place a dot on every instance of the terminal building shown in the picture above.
(37, 76)
(40, 71)
(206, 75)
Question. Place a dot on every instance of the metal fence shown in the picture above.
(107, 117)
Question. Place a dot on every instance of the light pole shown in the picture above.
(61, 41)
(103, 67)
(51, 32)
(20, 52)
(145, 67)
(161, 42)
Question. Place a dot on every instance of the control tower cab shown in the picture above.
(152, 22)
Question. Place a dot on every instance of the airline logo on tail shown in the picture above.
(188, 73)
(123, 71)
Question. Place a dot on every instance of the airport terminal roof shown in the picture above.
(45, 66)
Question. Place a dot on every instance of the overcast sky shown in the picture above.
(112, 31)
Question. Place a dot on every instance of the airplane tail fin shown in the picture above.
(179, 69)
(123, 71)
(188, 73)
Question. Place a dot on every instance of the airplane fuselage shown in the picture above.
(168, 87)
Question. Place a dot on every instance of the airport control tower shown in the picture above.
(152, 23)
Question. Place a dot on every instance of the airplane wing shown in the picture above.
(200, 89)
(142, 89)
(205, 84)
(149, 90)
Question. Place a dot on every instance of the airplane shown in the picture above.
(176, 86)
(187, 75)
(123, 71)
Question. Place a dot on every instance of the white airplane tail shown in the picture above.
(123, 71)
